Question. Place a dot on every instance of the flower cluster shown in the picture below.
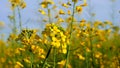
(28, 37)
(16, 3)
(56, 36)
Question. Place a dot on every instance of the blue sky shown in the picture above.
(31, 18)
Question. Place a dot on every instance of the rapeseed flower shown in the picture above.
(18, 65)
(42, 12)
(79, 9)
(61, 12)
(81, 57)
(65, 5)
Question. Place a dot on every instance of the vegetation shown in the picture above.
(80, 44)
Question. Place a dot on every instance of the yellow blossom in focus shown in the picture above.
(55, 42)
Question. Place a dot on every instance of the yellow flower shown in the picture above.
(17, 51)
(64, 51)
(42, 12)
(82, 23)
(83, 5)
(42, 56)
(55, 42)
(19, 64)
(44, 4)
(81, 57)
(98, 55)
(79, 9)
(62, 62)
(13, 6)
(15, 1)
(69, 12)
(23, 5)
(68, 41)
(68, 3)
(54, 38)
(69, 19)
(60, 20)
(63, 38)
(61, 12)
(65, 5)
(27, 61)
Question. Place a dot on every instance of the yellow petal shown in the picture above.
(42, 12)
(62, 62)
(61, 12)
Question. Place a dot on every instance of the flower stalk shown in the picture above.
(71, 29)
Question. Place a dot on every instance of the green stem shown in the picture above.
(86, 57)
(71, 29)
(31, 66)
(20, 20)
(44, 62)
(14, 22)
(54, 57)
(92, 52)
(49, 14)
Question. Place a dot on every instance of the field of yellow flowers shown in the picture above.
(80, 44)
